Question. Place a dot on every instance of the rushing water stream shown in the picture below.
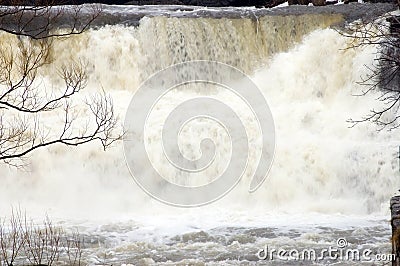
(328, 181)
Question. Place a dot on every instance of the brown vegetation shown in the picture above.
(22, 241)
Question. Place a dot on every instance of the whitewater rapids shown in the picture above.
(327, 180)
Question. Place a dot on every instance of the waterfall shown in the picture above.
(300, 65)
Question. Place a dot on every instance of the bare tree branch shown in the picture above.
(43, 18)
(24, 98)
(22, 240)
(384, 74)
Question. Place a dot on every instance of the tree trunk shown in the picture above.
(395, 222)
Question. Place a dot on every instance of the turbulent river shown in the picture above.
(328, 181)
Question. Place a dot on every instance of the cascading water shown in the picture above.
(326, 177)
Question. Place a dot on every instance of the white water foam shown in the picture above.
(322, 167)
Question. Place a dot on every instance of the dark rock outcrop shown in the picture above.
(394, 24)
(273, 3)
(298, 2)
(318, 2)
(395, 222)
